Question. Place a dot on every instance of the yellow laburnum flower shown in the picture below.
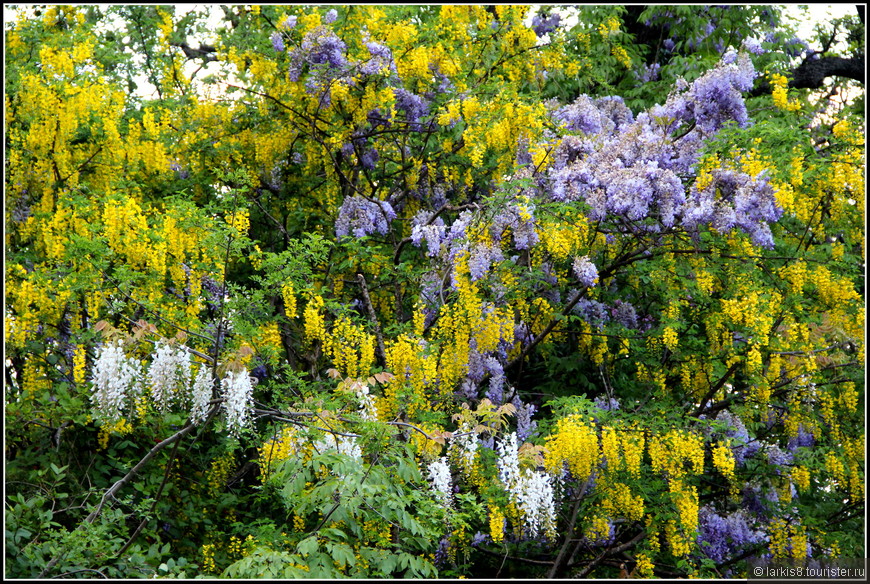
(496, 525)
(723, 460)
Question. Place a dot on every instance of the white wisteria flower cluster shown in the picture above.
(439, 475)
(201, 394)
(116, 378)
(169, 376)
(464, 445)
(367, 409)
(531, 491)
(238, 394)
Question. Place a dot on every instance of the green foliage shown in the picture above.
(346, 222)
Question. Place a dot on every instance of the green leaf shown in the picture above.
(308, 546)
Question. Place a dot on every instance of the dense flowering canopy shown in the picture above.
(378, 291)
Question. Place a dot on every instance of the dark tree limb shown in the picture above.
(203, 52)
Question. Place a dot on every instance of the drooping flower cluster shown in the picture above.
(346, 445)
(519, 219)
(628, 170)
(381, 60)
(169, 376)
(609, 404)
(439, 476)
(464, 447)
(322, 47)
(803, 439)
(531, 491)
(545, 24)
(585, 271)
(735, 199)
(277, 42)
(722, 537)
(526, 426)
(360, 216)
(742, 445)
(116, 378)
(201, 394)
(594, 312)
(432, 231)
(414, 106)
(238, 397)
(367, 409)
(322, 52)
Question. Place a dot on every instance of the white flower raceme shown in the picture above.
(201, 394)
(465, 442)
(439, 474)
(535, 499)
(344, 444)
(508, 462)
(169, 375)
(531, 491)
(238, 398)
(367, 409)
(116, 377)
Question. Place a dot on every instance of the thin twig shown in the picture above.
(382, 351)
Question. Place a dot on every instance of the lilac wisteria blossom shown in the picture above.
(277, 42)
(610, 404)
(735, 199)
(381, 59)
(330, 16)
(526, 426)
(722, 537)
(624, 313)
(753, 45)
(804, 439)
(481, 258)
(648, 73)
(414, 106)
(545, 24)
(321, 46)
(360, 216)
(432, 231)
(629, 170)
(585, 271)
(519, 219)
(778, 458)
(592, 311)
(742, 445)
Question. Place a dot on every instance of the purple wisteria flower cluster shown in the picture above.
(722, 537)
(360, 216)
(381, 59)
(414, 106)
(742, 445)
(277, 42)
(432, 231)
(323, 54)
(585, 271)
(545, 24)
(519, 219)
(629, 170)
